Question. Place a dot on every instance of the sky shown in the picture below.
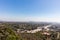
(30, 10)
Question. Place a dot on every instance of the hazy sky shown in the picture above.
(30, 10)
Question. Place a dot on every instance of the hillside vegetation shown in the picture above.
(7, 33)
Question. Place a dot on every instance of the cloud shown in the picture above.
(38, 19)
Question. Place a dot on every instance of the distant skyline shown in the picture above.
(30, 10)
